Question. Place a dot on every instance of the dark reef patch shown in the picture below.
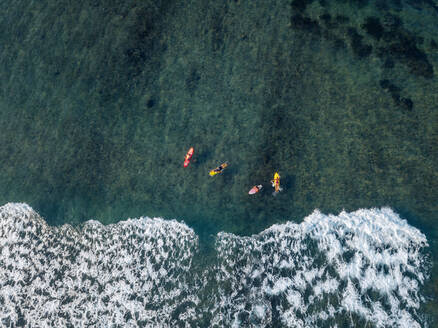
(326, 17)
(391, 88)
(306, 24)
(396, 3)
(143, 43)
(300, 5)
(386, 35)
(401, 44)
(405, 49)
(330, 23)
(192, 81)
(357, 3)
(388, 63)
(373, 27)
(382, 5)
(150, 103)
(407, 103)
(387, 85)
(391, 23)
(420, 4)
(404, 103)
(339, 44)
(341, 19)
(360, 49)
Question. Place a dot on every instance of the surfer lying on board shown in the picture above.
(276, 183)
(188, 157)
(218, 169)
(255, 189)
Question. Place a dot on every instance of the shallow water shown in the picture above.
(101, 101)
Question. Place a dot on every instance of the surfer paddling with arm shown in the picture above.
(218, 169)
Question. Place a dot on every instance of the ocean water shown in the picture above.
(364, 268)
(99, 103)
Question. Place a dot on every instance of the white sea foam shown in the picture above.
(364, 265)
(367, 266)
(131, 273)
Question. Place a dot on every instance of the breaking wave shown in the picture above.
(355, 269)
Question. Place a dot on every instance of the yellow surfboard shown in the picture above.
(276, 182)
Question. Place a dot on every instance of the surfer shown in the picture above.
(188, 157)
(255, 189)
(276, 183)
(218, 169)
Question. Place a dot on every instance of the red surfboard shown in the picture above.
(188, 157)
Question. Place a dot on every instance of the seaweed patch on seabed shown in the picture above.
(387, 37)
(405, 103)
(359, 48)
(401, 44)
(384, 37)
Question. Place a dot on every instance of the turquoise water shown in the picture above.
(100, 101)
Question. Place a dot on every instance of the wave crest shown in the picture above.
(361, 266)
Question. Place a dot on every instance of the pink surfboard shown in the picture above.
(255, 189)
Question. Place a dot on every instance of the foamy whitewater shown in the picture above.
(363, 268)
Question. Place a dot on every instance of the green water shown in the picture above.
(100, 101)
